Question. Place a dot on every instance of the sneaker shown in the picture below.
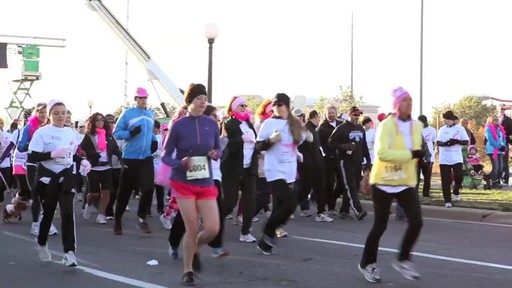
(173, 252)
(305, 213)
(238, 221)
(44, 254)
(371, 273)
(280, 233)
(323, 218)
(407, 269)
(109, 218)
(264, 247)
(87, 212)
(34, 230)
(456, 197)
(247, 238)
(332, 213)
(360, 216)
(255, 219)
(144, 227)
(219, 252)
(70, 259)
(196, 263)
(53, 230)
(345, 216)
(448, 205)
(118, 227)
(229, 216)
(101, 219)
(166, 222)
(188, 279)
(292, 217)
(127, 208)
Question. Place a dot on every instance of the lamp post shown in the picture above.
(90, 103)
(210, 32)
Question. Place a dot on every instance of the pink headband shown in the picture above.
(268, 109)
(237, 102)
(398, 96)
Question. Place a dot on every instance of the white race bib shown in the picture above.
(199, 168)
(393, 172)
(66, 160)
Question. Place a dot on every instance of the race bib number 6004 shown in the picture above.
(199, 168)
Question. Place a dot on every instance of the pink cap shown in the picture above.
(53, 103)
(141, 93)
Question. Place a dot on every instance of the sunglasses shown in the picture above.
(243, 105)
(277, 104)
(355, 114)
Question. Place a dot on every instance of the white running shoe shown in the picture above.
(280, 233)
(166, 221)
(305, 213)
(323, 218)
(229, 216)
(53, 230)
(456, 197)
(255, 219)
(70, 259)
(448, 205)
(247, 238)
(407, 269)
(101, 219)
(44, 254)
(87, 212)
(34, 230)
(371, 273)
(238, 220)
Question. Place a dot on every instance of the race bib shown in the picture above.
(393, 172)
(66, 160)
(199, 168)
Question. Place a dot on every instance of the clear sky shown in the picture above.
(298, 47)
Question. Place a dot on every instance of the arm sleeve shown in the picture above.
(169, 157)
(39, 156)
(383, 150)
(121, 131)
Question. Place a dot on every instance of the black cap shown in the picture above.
(448, 115)
(281, 98)
(354, 109)
(423, 119)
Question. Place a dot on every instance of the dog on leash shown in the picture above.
(13, 211)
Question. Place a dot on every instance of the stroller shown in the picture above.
(474, 174)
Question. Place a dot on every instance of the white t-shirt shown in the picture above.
(20, 158)
(248, 146)
(429, 136)
(5, 140)
(370, 142)
(451, 155)
(281, 159)
(50, 138)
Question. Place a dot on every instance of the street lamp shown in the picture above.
(90, 103)
(210, 32)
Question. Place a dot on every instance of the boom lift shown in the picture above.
(154, 72)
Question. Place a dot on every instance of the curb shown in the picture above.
(457, 213)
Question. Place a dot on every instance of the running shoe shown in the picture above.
(219, 252)
(264, 247)
(407, 269)
(280, 233)
(53, 230)
(34, 230)
(247, 238)
(323, 218)
(371, 272)
(70, 259)
(345, 216)
(361, 215)
(44, 254)
(101, 219)
(305, 213)
(173, 252)
(188, 279)
(144, 227)
(87, 212)
(166, 221)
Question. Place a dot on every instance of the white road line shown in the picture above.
(426, 255)
(95, 272)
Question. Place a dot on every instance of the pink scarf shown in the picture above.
(242, 116)
(34, 125)
(496, 137)
(102, 140)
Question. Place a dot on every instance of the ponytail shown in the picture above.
(295, 128)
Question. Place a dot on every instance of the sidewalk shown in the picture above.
(455, 213)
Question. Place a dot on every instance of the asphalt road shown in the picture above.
(451, 254)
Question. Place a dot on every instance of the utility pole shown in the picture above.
(421, 61)
(352, 55)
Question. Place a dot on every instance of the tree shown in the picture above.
(346, 100)
(157, 109)
(321, 104)
(471, 107)
(253, 102)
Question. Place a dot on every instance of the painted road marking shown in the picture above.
(426, 255)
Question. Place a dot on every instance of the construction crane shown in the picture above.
(28, 48)
(154, 72)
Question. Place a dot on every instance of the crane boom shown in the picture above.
(154, 71)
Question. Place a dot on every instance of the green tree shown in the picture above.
(346, 100)
(471, 107)
(253, 102)
(321, 104)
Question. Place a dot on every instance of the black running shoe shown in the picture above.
(361, 215)
(264, 247)
(188, 279)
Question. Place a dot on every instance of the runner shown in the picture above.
(54, 146)
(398, 146)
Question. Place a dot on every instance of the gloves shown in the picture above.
(275, 137)
(213, 154)
(418, 154)
(185, 163)
(136, 131)
(309, 136)
(59, 152)
(451, 142)
(154, 145)
(85, 167)
(248, 137)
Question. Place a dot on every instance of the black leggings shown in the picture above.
(178, 226)
(408, 200)
(446, 180)
(262, 195)
(36, 204)
(285, 202)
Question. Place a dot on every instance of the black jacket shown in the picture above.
(92, 153)
(325, 130)
(311, 153)
(346, 135)
(232, 162)
(507, 125)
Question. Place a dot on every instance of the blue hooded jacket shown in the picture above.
(138, 147)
